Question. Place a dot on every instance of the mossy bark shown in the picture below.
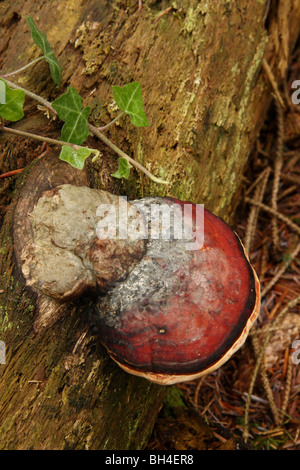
(206, 100)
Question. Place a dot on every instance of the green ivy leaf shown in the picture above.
(124, 169)
(12, 109)
(41, 41)
(129, 99)
(69, 109)
(76, 158)
(2, 92)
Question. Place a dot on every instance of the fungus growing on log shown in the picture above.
(181, 313)
(177, 295)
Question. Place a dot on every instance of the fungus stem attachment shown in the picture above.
(15, 72)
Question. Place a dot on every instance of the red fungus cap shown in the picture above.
(181, 313)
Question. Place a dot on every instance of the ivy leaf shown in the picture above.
(129, 99)
(2, 92)
(41, 41)
(124, 169)
(69, 109)
(12, 108)
(76, 158)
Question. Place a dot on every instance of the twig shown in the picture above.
(265, 381)
(43, 153)
(197, 391)
(264, 262)
(287, 390)
(281, 271)
(253, 216)
(275, 213)
(272, 80)
(277, 171)
(163, 13)
(291, 178)
(290, 305)
(288, 191)
(260, 177)
(250, 229)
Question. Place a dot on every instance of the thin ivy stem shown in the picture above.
(38, 137)
(110, 123)
(33, 96)
(122, 154)
(23, 68)
(92, 128)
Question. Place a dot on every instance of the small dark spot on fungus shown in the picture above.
(144, 302)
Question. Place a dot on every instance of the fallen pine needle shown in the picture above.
(290, 305)
(11, 173)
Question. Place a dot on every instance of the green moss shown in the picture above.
(190, 20)
(184, 192)
(134, 424)
(111, 71)
(96, 111)
(174, 399)
(5, 323)
(6, 249)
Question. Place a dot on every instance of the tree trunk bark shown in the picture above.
(206, 99)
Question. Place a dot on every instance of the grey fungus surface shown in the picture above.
(64, 256)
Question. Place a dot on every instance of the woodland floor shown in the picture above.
(255, 397)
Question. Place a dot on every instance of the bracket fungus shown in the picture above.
(177, 295)
(181, 313)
